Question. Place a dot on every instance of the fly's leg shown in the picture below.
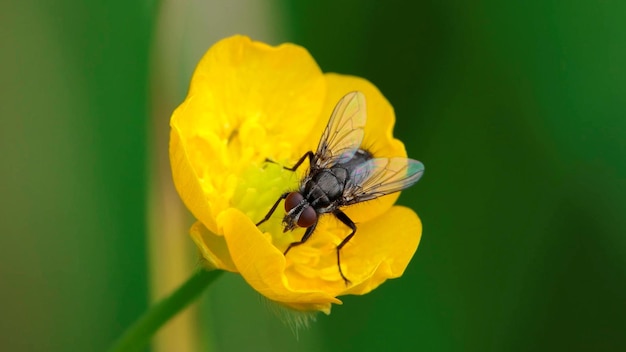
(269, 214)
(308, 154)
(348, 222)
(305, 237)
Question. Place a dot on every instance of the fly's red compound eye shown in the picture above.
(292, 200)
(307, 217)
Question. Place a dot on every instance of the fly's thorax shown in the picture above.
(325, 187)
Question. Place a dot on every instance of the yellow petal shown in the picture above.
(212, 247)
(263, 266)
(187, 181)
(255, 95)
(381, 249)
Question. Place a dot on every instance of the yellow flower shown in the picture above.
(249, 102)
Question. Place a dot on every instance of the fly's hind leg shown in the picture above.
(348, 222)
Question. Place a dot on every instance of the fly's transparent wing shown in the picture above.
(381, 176)
(344, 133)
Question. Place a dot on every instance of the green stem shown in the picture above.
(138, 334)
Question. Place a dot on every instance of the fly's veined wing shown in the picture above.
(344, 133)
(380, 176)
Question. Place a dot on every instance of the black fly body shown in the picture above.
(342, 174)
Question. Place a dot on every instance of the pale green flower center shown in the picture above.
(259, 188)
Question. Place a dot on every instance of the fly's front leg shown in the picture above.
(307, 234)
(308, 154)
(269, 214)
(348, 222)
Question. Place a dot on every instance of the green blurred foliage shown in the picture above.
(516, 109)
(73, 139)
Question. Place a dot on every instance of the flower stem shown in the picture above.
(138, 334)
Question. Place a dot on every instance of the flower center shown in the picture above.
(260, 187)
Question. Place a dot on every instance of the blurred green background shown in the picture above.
(516, 108)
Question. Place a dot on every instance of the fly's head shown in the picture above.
(299, 212)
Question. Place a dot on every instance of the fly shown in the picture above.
(342, 173)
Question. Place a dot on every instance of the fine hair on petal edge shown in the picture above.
(296, 320)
